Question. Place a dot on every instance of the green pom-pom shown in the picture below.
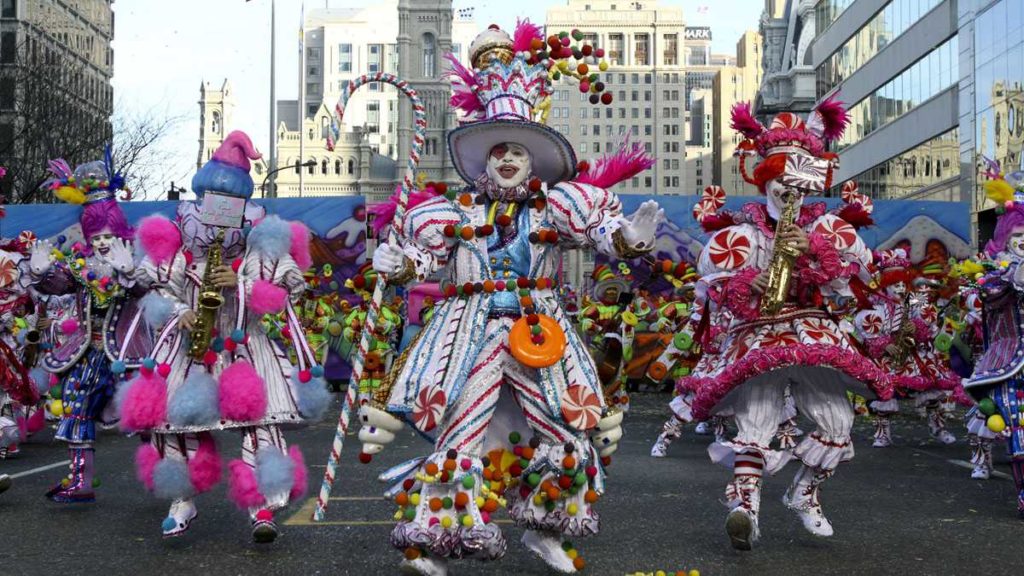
(468, 481)
(580, 479)
(409, 513)
(514, 437)
(533, 479)
(566, 545)
(95, 482)
(987, 406)
(447, 503)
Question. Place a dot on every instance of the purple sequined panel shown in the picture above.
(197, 237)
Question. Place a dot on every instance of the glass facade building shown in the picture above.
(931, 168)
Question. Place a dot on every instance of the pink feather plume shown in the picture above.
(384, 213)
(834, 117)
(610, 169)
(523, 37)
(463, 79)
(743, 120)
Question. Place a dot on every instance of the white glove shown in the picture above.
(120, 256)
(609, 432)
(41, 258)
(640, 231)
(378, 429)
(388, 259)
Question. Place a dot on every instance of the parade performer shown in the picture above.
(610, 326)
(383, 342)
(499, 372)
(997, 381)
(898, 331)
(776, 266)
(214, 273)
(100, 276)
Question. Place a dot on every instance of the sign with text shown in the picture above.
(697, 33)
(222, 210)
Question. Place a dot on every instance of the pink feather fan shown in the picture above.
(628, 161)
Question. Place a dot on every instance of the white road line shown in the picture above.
(41, 469)
(970, 466)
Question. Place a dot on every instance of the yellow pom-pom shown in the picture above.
(57, 408)
(538, 500)
(1005, 263)
(563, 65)
(659, 573)
(415, 499)
(446, 522)
(603, 66)
(694, 573)
(467, 521)
(70, 194)
(996, 423)
(572, 509)
(479, 501)
(572, 553)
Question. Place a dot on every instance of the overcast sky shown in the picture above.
(164, 50)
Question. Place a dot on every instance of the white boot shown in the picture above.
(981, 457)
(802, 498)
(548, 547)
(671, 430)
(744, 499)
(883, 432)
(5, 483)
(424, 566)
(660, 448)
(703, 428)
(179, 518)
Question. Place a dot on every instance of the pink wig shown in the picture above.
(1013, 218)
(105, 215)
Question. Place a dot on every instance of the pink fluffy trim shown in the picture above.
(834, 118)
(709, 391)
(144, 405)
(300, 246)
(266, 298)
(743, 120)
(243, 397)
(299, 485)
(204, 468)
(628, 161)
(36, 422)
(69, 326)
(159, 238)
(524, 35)
(243, 489)
(146, 459)
(738, 296)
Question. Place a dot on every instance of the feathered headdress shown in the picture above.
(90, 182)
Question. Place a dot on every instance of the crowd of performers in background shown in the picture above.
(208, 332)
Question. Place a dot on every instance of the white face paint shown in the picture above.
(898, 289)
(776, 193)
(101, 241)
(1015, 243)
(508, 165)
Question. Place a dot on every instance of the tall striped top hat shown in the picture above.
(509, 89)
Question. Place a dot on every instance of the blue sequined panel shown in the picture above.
(1009, 399)
(87, 388)
(509, 258)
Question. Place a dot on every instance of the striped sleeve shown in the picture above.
(585, 215)
(425, 242)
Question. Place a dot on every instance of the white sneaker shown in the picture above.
(741, 526)
(424, 566)
(980, 473)
(703, 428)
(179, 518)
(5, 483)
(945, 436)
(881, 442)
(549, 548)
(660, 449)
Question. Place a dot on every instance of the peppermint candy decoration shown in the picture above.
(581, 408)
(27, 238)
(8, 271)
(819, 332)
(838, 232)
(729, 249)
(426, 411)
(779, 339)
(704, 209)
(714, 194)
(871, 323)
(929, 314)
(850, 189)
(786, 121)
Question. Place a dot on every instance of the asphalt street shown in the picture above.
(911, 509)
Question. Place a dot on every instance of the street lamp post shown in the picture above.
(263, 186)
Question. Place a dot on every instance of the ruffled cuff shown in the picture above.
(737, 296)
(822, 263)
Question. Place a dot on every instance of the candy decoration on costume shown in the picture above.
(428, 408)
(729, 249)
(581, 407)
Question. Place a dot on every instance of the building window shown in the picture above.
(583, 147)
(10, 9)
(323, 167)
(671, 49)
(7, 94)
(375, 60)
(429, 56)
(337, 167)
(583, 129)
(351, 166)
(312, 168)
(615, 46)
(641, 52)
(648, 181)
(373, 117)
(597, 147)
(8, 47)
(597, 129)
(298, 167)
(344, 58)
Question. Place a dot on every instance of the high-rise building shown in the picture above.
(405, 38)
(700, 141)
(644, 44)
(788, 29)
(897, 65)
(56, 99)
(734, 84)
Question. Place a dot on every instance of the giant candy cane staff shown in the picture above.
(351, 400)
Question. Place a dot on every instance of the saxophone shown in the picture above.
(904, 338)
(780, 271)
(209, 302)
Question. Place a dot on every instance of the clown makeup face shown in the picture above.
(610, 296)
(508, 165)
(101, 241)
(1015, 243)
(897, 289)
(778, 195)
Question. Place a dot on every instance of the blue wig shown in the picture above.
(221, 177)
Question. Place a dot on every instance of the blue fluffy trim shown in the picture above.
(195, 403)
(272, 238)
(171, 480)
(122, 392)
(275, 471)
(41, 378)
(156, 309)
(313, 398)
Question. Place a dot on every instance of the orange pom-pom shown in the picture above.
(461, 500)
(578, 563)
(402, 499)
(412, 553)
(431, 469)
(590, 497)
(436, 504)
(568, 462)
